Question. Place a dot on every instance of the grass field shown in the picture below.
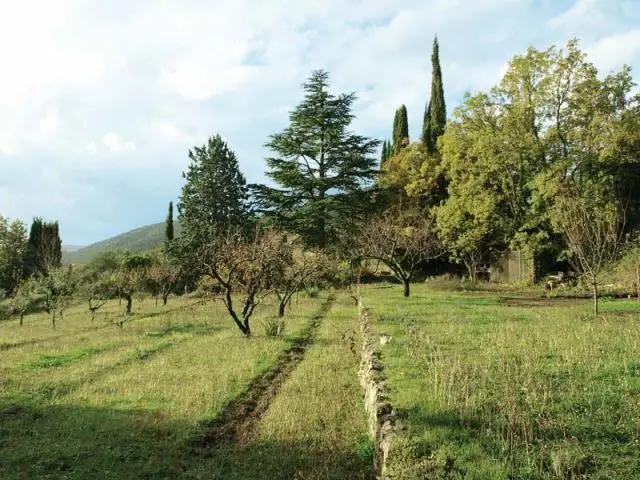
(92, 400)
(489, 391)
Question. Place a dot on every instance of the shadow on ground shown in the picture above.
(78, 442)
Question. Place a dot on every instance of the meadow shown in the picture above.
(491, 387)
(487, 385)
(93, 400)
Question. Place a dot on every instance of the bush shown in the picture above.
(274, 327)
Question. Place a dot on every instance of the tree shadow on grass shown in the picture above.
(79, 442)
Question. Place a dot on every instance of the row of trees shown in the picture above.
(546, 162)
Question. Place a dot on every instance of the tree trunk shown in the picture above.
(407, 287)
(165, 298)
(156, 301)
(21, 318)
(53, 318)
(129, 303)
(638, 280)
(595, 299)
(281, 308)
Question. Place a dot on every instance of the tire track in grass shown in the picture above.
(238, 421)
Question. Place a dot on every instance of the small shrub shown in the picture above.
(365, 449)
(274, 327)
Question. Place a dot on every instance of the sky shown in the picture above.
(101, 101)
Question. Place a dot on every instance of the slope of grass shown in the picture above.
(489, 391)
(134, 241)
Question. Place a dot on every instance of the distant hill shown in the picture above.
(72, 248)
(135, 241)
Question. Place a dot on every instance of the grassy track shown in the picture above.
(490, 391)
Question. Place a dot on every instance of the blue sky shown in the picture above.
(100, 101)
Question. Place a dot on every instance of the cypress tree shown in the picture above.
(44, 248)
(169, 230)
(400, 129)
(384, 155)
(435, 117)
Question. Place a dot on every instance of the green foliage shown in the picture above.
(44, 248)
(320, 166)
(435, 116)
(400, 130)
(13, 248)
(274, 327)
(509, 156)
(169, 228)
(215, 194)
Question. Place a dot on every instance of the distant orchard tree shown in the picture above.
(400, 243)
(245, 270)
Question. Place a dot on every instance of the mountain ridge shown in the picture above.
(137, 240)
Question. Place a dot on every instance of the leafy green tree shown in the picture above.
(13, 248)
(25, 298)
(215, 194)
(57, 289)
(169, 229)
(322, 169)
(435, 116)
(550, 125)
(400, 130)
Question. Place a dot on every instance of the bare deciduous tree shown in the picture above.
(593, 231)
(400, 243)
(297, 270)
(245, 270)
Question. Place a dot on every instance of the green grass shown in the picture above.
(489, 391)
(92, 400)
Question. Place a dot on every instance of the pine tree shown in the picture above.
(400, 129)
(435, 117)
(321, 167)
(215, 194)
(169, 230)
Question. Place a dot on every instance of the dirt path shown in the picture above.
(237, 422)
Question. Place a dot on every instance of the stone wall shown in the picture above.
(382, 419)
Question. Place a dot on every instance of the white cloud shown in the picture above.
(613, 51)
(116, 144)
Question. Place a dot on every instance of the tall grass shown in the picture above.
(490, 391)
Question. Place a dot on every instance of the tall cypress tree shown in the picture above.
(169, 230)
(44, 248)
(435, 117)
(384, 155)
(321, 167)
(400, 129)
